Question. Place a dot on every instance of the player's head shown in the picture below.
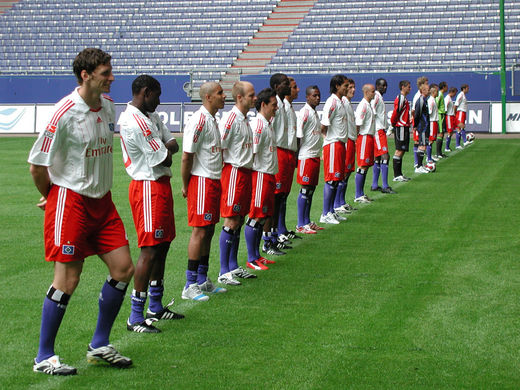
(424, 89)
(147, 91)
(243, 94)
(212, 95)
(294, 90)
(266, 103)
(93, 65)
(313, 96)
(464, 88)
(443, 86)
(405, 86)
(421, 80)
(351, 89)
(338, 85)
(369, 91)
(453, 91)
(280, 83)
(434, 90)
(381, 86)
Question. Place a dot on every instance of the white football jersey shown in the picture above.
(461, 102)
(236, 138)
(77, 146)
(264, 146)
(351, 119)
(433, 109)
(450, 107)
(280, 125)
(201, 137)
(291, 125)
(309, 131)
(378, 105)
(142, 143)
(335, 118)
(365, 118)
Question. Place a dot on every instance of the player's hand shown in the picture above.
(184, 192)
(41, 204)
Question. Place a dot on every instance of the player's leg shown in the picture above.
(228, 236)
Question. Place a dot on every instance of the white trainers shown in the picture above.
(329, 218)
(421, 169)
(435, 158)
(242, 273)
(400, 179)
(228, 278)
(459, 147)
(209, 287)
(339, 217)
(194, 293)
(344, 209)
(362, 199)
(53, 366)
(107, 354)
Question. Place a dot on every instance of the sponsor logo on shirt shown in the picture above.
(67, 250)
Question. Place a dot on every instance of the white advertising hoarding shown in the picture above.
(512, 118)
(17, 119)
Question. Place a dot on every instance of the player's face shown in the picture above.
(100, 79)
(342, 89)
(351, 90)
(425, 88)
(270, 108)
(152, 100)
(381, 87)
(284, 88)
(249, 96)
(406, 89)
(434, 92)
(294, 90)
(314, 98)
(217, 99)
(371, 92)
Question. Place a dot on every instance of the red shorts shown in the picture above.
(450, 123)
(434, 130)
(77, 226)
(236, 191)
(350, 160)
(308, 171)
(203, 201)
(460, 118)
(334, 161)
(152, 208)
(285, 175)
(415, 136)
(380, 143)
(365, 150)
(262, 201)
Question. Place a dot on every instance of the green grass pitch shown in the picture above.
(419, 290)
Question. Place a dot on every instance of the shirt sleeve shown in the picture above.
(361, 112)
(302, 121)
(144, 137)
(226, 131)
(193, 133)
(329, 111)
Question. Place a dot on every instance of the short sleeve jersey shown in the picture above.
(143, 139)
(351, 119)
(448, 102)
(291, 125)
(432, 109)
(461, 102)
(264, 146)
(202, 138)
(280, 125)
(378, 105)
(335, 118)
(365, 118)
(77, 146)
(236, 138)
(308, 130)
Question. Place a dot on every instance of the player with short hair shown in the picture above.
(380, 140)
(401, 121)
(461, 108)
(434, 119)
(334, 128)
(309, 140)
(365, 126)
(147, 147)
(201, 169)
(450, 116)
(421, 127)
(265, 166)
(237, 152)
(441, 107)
(72, 168)
(420, 82)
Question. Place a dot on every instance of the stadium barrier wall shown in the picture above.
(483, 117)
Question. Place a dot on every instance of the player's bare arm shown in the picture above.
(186, 166)
(324, 129)
(172, 146)
(41, 179)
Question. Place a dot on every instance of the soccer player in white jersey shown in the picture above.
(272, 242)
(461, 109)
(380, 140)
(434, 119)
(340, 205)
(309, 139)
(450, 116)
(71, 165)
(283, 232)
(147, 147)
(334, 128)
(401, 121)
(365, 126)
(265, 166)
(201, 169)
(237, 147)
(420, 82)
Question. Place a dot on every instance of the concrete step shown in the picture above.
(278, 27)
(283, 19)
(279, 34)
(250, 54)
(267, 41)
(300, 3)
(250, 62)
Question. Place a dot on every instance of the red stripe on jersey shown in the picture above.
(199, 128)
(258, 131)
(332, 107)
(142, 125)
(126, 157)
(229, 123)
(108, 98)
(59, 113)
(305, 116)
(155, 146)
(46, 144)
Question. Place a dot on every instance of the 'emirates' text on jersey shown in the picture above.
(77, 146)
(309, 131)
(264, 146)
(335, 118)
(236, 138)
(201, 137)
(143, 140)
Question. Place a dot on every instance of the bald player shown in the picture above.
(201, 169)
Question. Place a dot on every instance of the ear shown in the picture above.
(84, 75)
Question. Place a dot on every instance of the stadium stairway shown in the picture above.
(276, 29)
